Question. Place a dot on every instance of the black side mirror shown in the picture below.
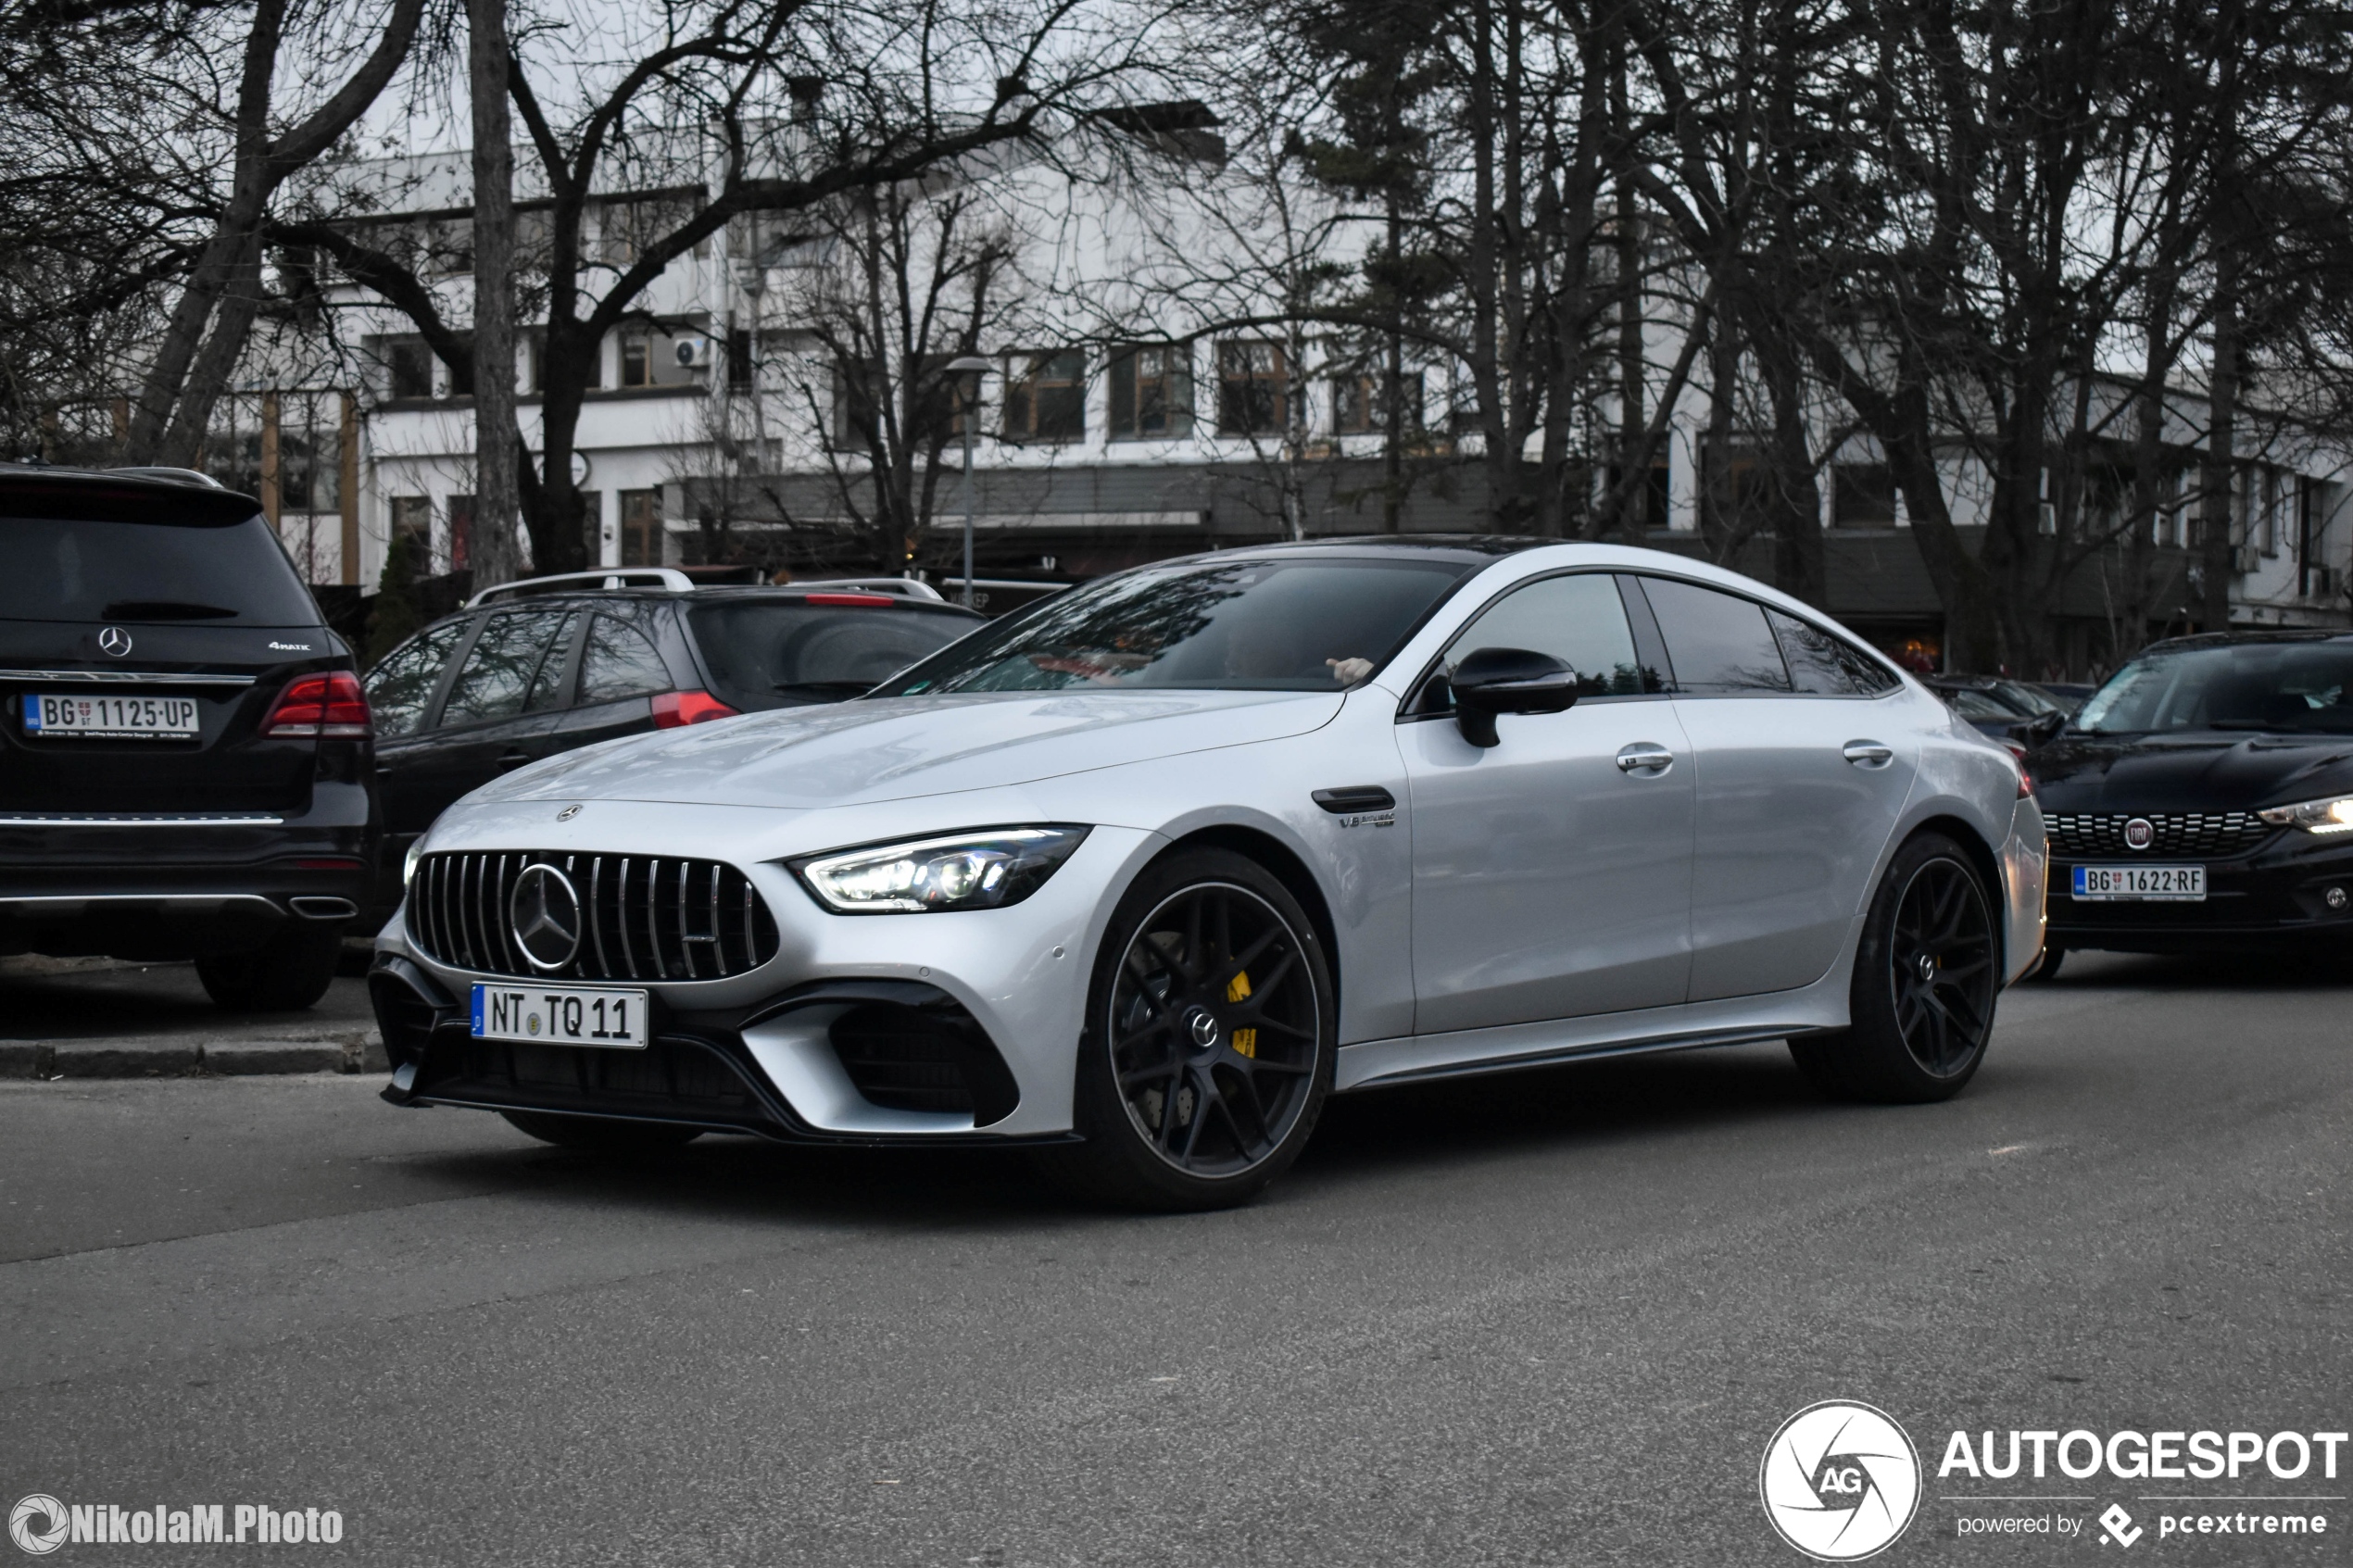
(2044, 728)
(1496, 681)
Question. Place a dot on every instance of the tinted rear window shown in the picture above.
(194, 573)
(764, 651)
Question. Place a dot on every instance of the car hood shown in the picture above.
(2199, 770)
(894, 748)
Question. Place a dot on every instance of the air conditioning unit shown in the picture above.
(695, 353)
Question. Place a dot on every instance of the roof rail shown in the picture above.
(904, 587)
(171, 475)
(613, 577)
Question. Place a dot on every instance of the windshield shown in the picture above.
(1970, 703)
(199, 572)
(2028, 700)
(1251, 624)
(2284, 686)
(763, 652)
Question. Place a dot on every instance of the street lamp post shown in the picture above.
(968, 371)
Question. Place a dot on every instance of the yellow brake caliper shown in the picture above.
(1245, 1040)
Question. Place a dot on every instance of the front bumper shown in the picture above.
(863, 1028)
(168, 888)
(2277, 893)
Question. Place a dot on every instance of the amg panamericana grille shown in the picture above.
(2207, 835)
(643, 917)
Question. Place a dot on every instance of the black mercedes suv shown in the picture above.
(185, 768)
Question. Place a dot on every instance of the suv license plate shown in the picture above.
(2163, 885)
(110, 717)
(560, 1015)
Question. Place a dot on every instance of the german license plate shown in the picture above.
(2164, 884)
(110, 717)
(560, 1015)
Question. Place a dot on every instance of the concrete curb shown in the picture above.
(183, 1058)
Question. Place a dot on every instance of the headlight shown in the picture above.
(983, 869)
(408, 862)
(2332, 815)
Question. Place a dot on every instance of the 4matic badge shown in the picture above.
(1840, 1481)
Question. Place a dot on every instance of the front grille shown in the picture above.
(644, 917)
(2207, 835)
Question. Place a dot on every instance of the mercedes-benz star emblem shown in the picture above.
(2139, 834)
(1203, 1025)
(568, 813)
(114, 642)
(545, 913)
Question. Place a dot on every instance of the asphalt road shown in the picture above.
(1550, 1318)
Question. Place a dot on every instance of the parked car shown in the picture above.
(186, 770)
(2203, 798)
(532, 669)
(1165, 860)
(2067, 695)
(2018, 715)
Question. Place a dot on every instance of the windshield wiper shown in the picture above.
(165, 610)
(827, 688)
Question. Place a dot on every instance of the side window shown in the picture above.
(1578, 619)
(620, 662)
(546, 688)
(1823, 665)
(400, 686)
(500, 667)
(1719, 643)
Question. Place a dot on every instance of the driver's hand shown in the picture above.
(1348, 672)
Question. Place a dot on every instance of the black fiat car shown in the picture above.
(185, 767)
(2203, 798)
(548, 665)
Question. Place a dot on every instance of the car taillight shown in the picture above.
(675, 709)
(2025, 783)
(331, 704)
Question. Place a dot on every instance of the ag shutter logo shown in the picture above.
(2117, 1525)
(39, 1524)
(1840, 1481)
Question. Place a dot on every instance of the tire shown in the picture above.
(292, 969)
(2048, 965)
(1926, 975)
(1211, 1031)
(598, 1134)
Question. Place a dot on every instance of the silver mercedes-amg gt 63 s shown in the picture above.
(1142, 873)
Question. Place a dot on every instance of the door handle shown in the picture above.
(512, 759)
(1868, 754)
(1647, 758)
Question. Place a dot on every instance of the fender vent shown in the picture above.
(643, 917)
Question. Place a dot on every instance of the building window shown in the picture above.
(409, 364)
(1359, 408)
(742, 368)
(1862, 496)
(1151, 391)
(1046, 396)
(412, 523)
(1250, 388)
(637, 360)
(461, 531)
(1648, 507)
(641, 528)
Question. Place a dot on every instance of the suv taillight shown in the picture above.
(331, 704)
(674, 710)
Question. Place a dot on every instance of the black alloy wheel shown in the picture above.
(1942, 967)
(1927, 972)
(1211, 1048)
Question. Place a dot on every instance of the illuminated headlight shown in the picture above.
(2334, 815)
(985, 870)
(408, 861)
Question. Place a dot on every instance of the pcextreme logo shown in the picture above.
(1841, 1481)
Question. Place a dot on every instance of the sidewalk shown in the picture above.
(101, 1018)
